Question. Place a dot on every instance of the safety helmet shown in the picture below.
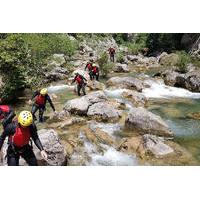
(93, 65)
(25, 118)
(43, 91)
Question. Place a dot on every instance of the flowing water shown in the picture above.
(174, 105)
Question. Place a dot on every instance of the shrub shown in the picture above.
(105, 65)
(183, 60)
(120, 57)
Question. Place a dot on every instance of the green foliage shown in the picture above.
(120, 57)
(183, 60)
(104, 64)
(164, 42)
(13, 61)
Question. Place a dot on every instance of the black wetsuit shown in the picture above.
(26, 152)
(41, 106)
(7, 116)
(80, 83)
(89, 67)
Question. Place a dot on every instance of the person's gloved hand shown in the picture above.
(44, 154)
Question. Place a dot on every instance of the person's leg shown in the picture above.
(97, 76)
(91, 76)
(83, 89)
(41, 112)
(79, 89)
(34, 110)
(29, 156)
(12, 157)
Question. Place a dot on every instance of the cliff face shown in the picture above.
(191, 42)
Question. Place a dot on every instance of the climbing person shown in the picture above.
(19, 135)
(41, 97)
(111, 51)
(6, 115)
(81, 83)
(89, 68)
(95, 71)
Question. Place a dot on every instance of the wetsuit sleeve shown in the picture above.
(34, 136)
(9, 130)
(83, 78)
(74, 79)
(9, 117)
(35, 94)
(50, 102)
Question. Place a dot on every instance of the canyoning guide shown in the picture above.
(19, 135)
(41, 97)
(111, 51)
(6, 115)
(81, 83)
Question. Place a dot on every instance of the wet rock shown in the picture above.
(146, 122)
(121, 68)
(80, 105)
(194, 115)
(95, 85)
(72, 121)
(156, 146)
(136, 98)
(58, 116)
(192, 80)
(132, 145)
(103, 111)
(126, 82)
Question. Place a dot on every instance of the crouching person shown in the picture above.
(19, 135)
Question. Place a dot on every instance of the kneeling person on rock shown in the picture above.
(41, 97)
(81, 83)
(19, 135)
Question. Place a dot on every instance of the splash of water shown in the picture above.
(59, 88)
(158, 89)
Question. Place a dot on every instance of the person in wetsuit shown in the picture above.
(6, 115)
(81, 83)
(89, 67)
(19, 134)
(41, 97)
(111, 51)
(95, 71)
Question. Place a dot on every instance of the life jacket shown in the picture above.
(40, 100)
(78, 79)
(21, 137)
(4, 109)
(111, 51)
(89, 66)
(94, 70)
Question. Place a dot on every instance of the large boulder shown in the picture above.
(52, 145)
(80, 105)
(138, 99)
(58, 73)
(126, 82)
(95, 85)
(192, 80)
(146, 122)
(121, 68)
(169, 59)
(103, 111)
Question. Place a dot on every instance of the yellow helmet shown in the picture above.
(43, 91)
(25, 118)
